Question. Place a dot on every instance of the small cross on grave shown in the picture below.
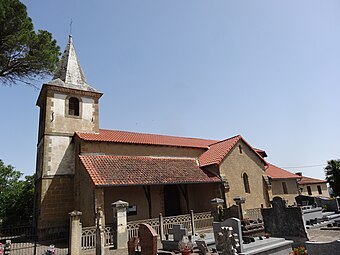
(178, 231)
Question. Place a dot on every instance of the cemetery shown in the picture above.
(279, 229)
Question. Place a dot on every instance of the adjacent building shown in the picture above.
(312, 187)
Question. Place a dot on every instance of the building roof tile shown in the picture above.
(109, 170)
(141, 138)
(308, 180)
(278, 173)
(218, 151)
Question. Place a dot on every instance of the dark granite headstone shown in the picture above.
(285, 222)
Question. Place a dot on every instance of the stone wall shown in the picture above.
(199, 200)
(56, 201)
(314, 189)
(58, 119)
(138, 150)
(84, 196)
(277, 190)
(232, 168)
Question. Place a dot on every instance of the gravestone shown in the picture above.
(330, 248)
(236, 226)
(177, 231)
(133, 246)
(284, 222)
(202, 247)
(148, 239)
(228, 241)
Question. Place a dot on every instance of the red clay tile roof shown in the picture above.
(309, 180)
(278, 173)
(219, 150)
(108, 170)
(140, 138)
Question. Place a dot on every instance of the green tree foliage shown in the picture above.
(332, 171)
(16, 196)
(24, 53)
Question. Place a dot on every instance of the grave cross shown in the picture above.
(178, 231)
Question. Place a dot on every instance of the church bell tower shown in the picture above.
(67, 104)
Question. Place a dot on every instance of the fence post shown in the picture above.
(192, 222)
(120, 223)
(99, 232)
(161, 227)
(75, 233)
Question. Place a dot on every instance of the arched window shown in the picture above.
(246, 183)
(73, 106)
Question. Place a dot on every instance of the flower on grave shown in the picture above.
(202, 235)
(185, 244)
(301, 250)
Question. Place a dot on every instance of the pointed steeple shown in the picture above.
(69, 72)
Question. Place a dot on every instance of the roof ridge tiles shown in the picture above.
(224, 140)
(119, 136)
(100, 155)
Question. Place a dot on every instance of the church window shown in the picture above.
(319, 189)
(309, 190)
(284, 187)
(246, 183)
(240, 149)
(73, 106)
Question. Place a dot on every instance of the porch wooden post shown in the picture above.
(161, 227)
(184, 191)
(147, 191)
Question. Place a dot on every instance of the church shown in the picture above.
(82, 167)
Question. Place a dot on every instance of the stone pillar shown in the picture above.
(100, 238)
(217, 211)
(161, 227)
(239, 201)
(192, 219)
(120, 223)
(75, 233)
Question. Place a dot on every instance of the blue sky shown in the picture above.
(267, 70)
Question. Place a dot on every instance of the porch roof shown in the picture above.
(109, 170)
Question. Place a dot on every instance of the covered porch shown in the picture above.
(151, 185)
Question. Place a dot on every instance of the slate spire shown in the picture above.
(69, 72)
